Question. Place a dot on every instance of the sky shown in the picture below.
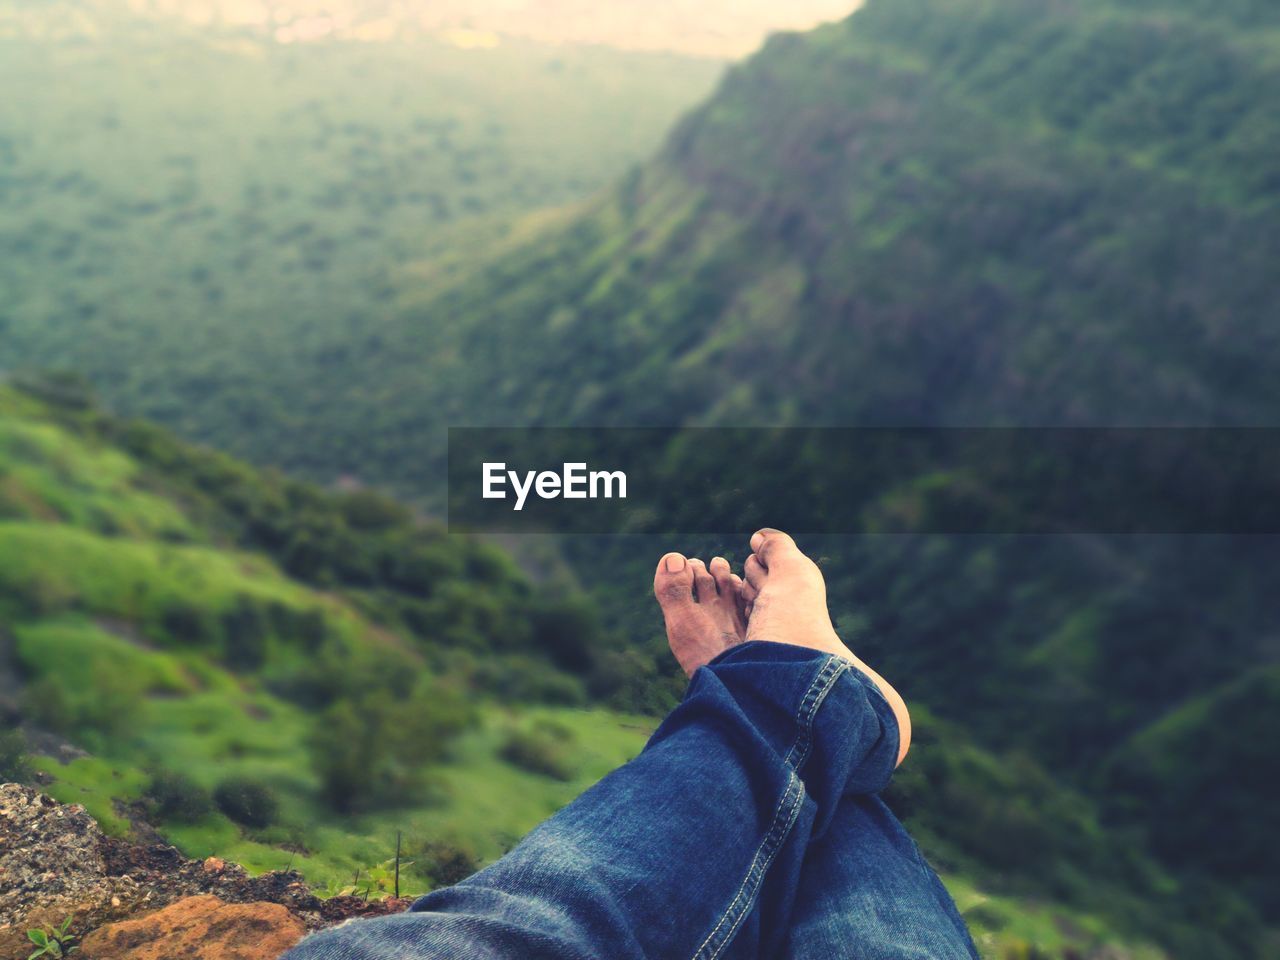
(714, 28)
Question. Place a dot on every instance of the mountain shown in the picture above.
(936, 212)
(970, 212)
(931, 213)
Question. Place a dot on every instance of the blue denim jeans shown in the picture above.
(749, 826)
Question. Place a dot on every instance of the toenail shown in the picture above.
(675, 563)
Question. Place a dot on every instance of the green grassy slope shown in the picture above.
(147, 622)
(167, 612)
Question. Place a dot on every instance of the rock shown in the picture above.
(45, 848)
(52, 864)
(198, 928)
(56, 863)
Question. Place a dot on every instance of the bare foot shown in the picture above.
(785, 597)
(703, 608)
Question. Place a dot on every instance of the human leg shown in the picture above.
(694, 849)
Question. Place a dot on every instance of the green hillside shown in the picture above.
(172, 622)
(257, 670)
(981, 211)
(965, 212)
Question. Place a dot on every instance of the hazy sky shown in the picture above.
(721, 28)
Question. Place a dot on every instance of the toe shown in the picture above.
(755, 571)
(673, 581)
(704, 585)
(773, 546)
(736, 586)
(723, 576)
(748, 598)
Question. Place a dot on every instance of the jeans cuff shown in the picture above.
(822, 715)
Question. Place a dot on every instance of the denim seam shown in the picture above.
(768, 849)
(777, 832)
(813, 699)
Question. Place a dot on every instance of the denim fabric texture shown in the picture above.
(749, 827)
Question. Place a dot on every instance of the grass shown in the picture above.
(1004, 928)
(129, 578)
(478, 801)
(90, 633)
(83, 652)
(51, 475)
(96, 784)
(485, 806)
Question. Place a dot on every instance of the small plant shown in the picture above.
(376, 882)
(53, 941)
(385, 878)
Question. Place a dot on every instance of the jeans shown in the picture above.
(749, 826)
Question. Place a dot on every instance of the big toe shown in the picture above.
(775, 548)
(673, 582)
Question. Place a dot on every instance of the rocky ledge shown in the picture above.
(140, 900)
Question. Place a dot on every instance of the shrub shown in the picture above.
(569, 631)
(14, 765)
(305, 627)
(176, 797)
(59, 388)
(91, 714)
(45, 594)
(369, 510)
(540, 750)
(246, 801)
(520, 679)
(48, 705)
(374, 750)
(445, 863)
(244, 628)
(630, 680)
(189, 625)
